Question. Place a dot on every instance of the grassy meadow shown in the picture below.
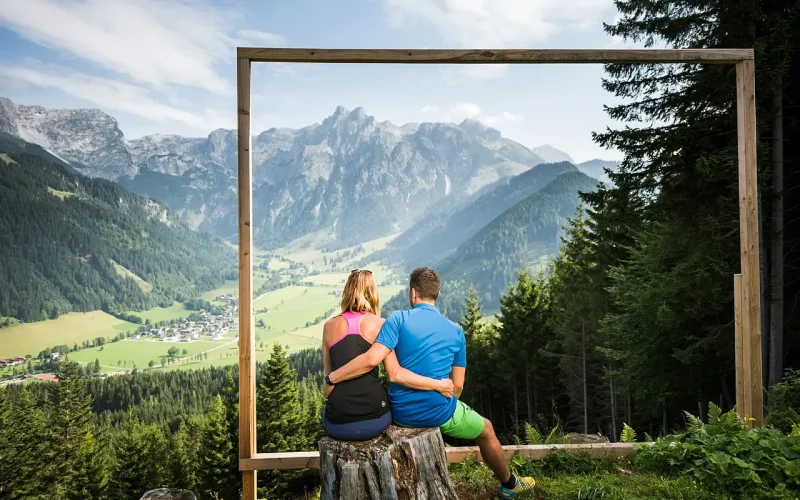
(31, 338)
(294, 315)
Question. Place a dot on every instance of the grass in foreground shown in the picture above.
(565, 477)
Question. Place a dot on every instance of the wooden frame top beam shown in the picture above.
(490, 56)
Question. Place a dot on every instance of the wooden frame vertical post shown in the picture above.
(748, 237)
(247, 344)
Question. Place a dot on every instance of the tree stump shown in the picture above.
(400, 464)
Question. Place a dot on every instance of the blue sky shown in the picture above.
(167, 66)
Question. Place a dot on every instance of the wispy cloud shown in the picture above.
(105, 93)
(153, 42)
(498, 23)
(254, 37)
(464, 110)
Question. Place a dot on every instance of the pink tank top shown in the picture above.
(353, 326)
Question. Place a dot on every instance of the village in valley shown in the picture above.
(190, 329)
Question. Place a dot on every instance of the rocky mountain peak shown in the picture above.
(478, 130)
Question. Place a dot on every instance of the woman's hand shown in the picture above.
(445, 387)
(328, 390)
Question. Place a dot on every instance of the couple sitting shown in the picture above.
(425, 357)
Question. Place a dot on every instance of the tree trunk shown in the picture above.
(528, 391)
(776, 248)
(613, 408)
(765, 311)
(400, 464)
(516, 404)
(585, 384)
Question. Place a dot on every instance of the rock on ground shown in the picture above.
(169, 494)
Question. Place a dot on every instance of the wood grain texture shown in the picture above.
(748, 229)
(491, 56)
(311, 459)
(247, 355)
(358, 470)
(741, 408)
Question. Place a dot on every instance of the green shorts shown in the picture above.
(465, 423)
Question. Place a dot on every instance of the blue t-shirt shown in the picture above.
(427, 344)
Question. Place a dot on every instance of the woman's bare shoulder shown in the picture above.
(333, 324)
(371, 324)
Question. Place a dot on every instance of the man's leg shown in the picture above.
(492, 452)
(466, 423)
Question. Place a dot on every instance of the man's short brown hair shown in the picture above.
(426, 282)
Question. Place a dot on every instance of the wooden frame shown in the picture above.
(748, 310)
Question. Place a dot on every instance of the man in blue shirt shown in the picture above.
(431, 345)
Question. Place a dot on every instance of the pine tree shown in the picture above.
(76, 461)
(216, 451)
(140, 460)
(474, 336)
(578, 305)
(280, 422)
(21, 446)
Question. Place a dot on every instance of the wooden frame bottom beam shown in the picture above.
(310, 459)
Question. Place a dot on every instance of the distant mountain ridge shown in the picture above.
(326, 175)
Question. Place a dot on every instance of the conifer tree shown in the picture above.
(215, 456)
(280, 422)
(21, 446)
(140, 460)
(76, 461)
(477, 378)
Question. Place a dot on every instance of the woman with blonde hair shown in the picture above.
(358, 409)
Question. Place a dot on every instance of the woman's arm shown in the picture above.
(326, 362)
(399, 375)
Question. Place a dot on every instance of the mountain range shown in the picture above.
(353, 174)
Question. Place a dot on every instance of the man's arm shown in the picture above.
(361, 364)
(457, 376)
(459, 370)
(399, 375)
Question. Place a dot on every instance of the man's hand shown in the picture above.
(445, 387)
(328, 390)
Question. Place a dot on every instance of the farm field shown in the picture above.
(31, 338)
(126, 354)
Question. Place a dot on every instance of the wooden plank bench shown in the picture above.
(456, 454)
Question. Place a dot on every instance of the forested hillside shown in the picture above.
(524, 236)
(426, 244)
(71, 243)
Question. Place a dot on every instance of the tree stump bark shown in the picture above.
(400, 464)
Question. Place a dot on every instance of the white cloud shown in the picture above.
(455, 75)
(261, 38)
(463, 110)
(154, 42)
(107, 94)
(512, 117)
(466, 110)
(498, 23)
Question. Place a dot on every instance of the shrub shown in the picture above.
(728, 458)
(784, 402)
